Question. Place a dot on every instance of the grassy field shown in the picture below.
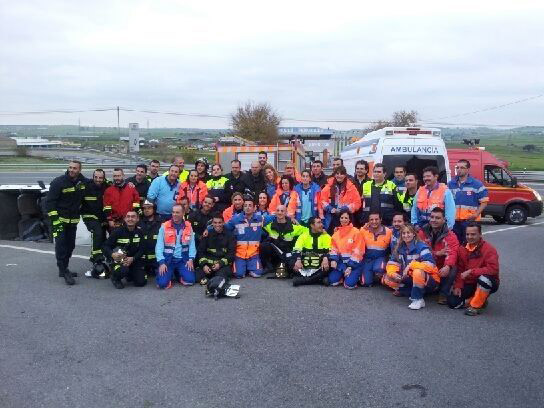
(512, 151)
(6, 160)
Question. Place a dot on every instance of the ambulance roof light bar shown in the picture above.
(412, 132)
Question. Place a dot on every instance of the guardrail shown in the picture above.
(537, 176)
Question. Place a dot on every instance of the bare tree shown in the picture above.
(400, 118)
(256, 121)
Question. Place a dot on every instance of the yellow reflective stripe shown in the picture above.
(107, 207)
(53, 212)
(136, 240)
(68, 220)
(68, 190)
(151, 256)
(122, 240)
(155, 237)
(98, 251)
(90, 198)
(135, 205)
(94, 217)
(57, 222)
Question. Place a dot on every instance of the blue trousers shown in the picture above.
(416, 292)
(243, 266)
(371, 267)
(176, 269)
(336, 275)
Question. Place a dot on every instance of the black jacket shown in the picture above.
(150, 230)
(255, 184)
(217, 247)
(131, 242)
(234, 185)
(93, 206)
(141, 188)
(65, 197)
(321, 180)
(199, 221)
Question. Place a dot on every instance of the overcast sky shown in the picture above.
(310, 60)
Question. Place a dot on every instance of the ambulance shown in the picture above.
(412, 147)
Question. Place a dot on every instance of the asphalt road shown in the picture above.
(91, 345)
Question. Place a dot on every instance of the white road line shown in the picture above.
(40, 251)
(511, 228)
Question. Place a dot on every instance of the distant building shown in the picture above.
(318, 142)
(37, 142)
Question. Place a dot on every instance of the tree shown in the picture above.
(400, 118)
(256, 121)
(529, 147)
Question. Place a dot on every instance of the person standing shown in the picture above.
(380, 195)
(149, 224)
(125, 248)
(399, 175)
(470, 196)
(163, 192)
(285, 195)
(432, 194)
(359, 179)
(175, 251)
(254, 180)
(337, 196)
(63, 206)
(119, 198)
(236, 181)
(318, 177)
(180, 163)
(92, 213)
(202, 166)
(140, 182)
(201, 218)
(154, 168)
(406, 198)
(216, 188)
(308, 199)
(194, 189)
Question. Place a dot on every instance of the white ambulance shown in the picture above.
(412, 147)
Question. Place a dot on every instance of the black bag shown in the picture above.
(218, 287)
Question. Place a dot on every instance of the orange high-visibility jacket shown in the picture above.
(347, 245)
(349, 198)
(291, 204)
(196, 195)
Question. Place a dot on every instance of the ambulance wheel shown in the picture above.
(516, 215)
(499, 219)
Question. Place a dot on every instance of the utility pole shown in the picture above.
(118, 127)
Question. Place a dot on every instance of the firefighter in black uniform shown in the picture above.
(63, 205)
(201, 218)
(150, 224)
(95, 220)
(125, 248)
(215, 252)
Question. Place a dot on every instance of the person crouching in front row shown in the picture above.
(175, 251)
(411, 271)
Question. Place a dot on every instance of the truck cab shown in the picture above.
(412, 147)
(509, 201)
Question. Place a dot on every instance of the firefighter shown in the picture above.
(278, 246)
(477, 272)
(311, 255)
(444, 246)
(411, 271)
(406, 198)
(202, 166)
(201, 218)
(377, 239)
(149, 224)
(140, 182)
(216, 188)
(248, 228)
(63, 206)
(154, 169)
(347, 250)
(432, 194)
(215, 252)
(119, 198)
(237, 206)
(194, 189)
(308, 199)
(285, 195)
(338, 195)
(125, 248)
(470, 196)
(380, 195)
(92, 213)
(163, 192)
(175, 251)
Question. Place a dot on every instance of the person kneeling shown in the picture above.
(477, 272)
(347, 251)
(419, 272)
(215, 252)
(125, 248)
(175, 251)
(311, 255)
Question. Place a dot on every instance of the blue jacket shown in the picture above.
(314, 199)
(163, 194)
(416, 251)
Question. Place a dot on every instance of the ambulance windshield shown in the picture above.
(415, 164)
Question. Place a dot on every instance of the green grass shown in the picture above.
(512, 151)
(5, 160)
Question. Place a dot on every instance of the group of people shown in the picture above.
(187, 226)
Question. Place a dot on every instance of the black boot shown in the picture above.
(68, 278)
(117, 283)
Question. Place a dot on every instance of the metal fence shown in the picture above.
(537, 176)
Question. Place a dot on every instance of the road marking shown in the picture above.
(40, 251)
(511, 228)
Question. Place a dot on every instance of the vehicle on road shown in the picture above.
(509, 201)
(412, 147)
